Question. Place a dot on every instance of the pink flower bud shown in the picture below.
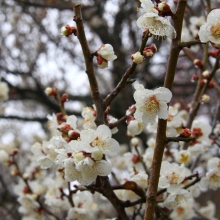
(214, 53)
(211, 84)
(203, 82)
(185, 133)
(198, 63)
(195, 78)
(64, 98)
(68, 30)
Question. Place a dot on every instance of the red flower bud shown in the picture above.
(198, 63)
(195, 78)
(64, 98)
(211, 84)
(214, 53)
(185, 133)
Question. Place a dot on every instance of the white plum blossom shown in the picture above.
(4, 157)
(175, 121)
(135, 127)
(85, 207)
(46, 153)
(110, 120)
(53, 196)
(212, 178)
(53, 124)
(158, 26)
(176, 197)
(86, 170)
(209, 210)
(106, 51)
(171, 174)
(201, 130)
(141, 179)
(96, 140)
(104, 54)
(183, 156)
(151, 103)
(195, 24)
(210, 31)
(89, 115)
(184, 211)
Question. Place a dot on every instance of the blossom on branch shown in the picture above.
(150, 104)
(104, 54)
(210, 31)
(158, 26)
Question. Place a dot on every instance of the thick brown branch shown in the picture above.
(161, 130)
(100, 106)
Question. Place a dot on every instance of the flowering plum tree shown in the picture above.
(83, 171)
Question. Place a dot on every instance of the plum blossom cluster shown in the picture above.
(79, 153)
(65, 176)
(149, 105)
(156, 24)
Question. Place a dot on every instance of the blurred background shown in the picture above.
(33, 56)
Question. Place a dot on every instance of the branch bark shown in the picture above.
(161, 130)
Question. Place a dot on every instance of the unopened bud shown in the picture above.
(78, 156)
(73, 135)
(14, 172)
(50, 91)
(194, 78)
(25, 176)
(214, 53)
(148, 53)
(206, 74)
(135, 142)
(137, 58)
(198, 63)
(101, 62)
(203, 82)
(163, 7)
(185, 133)
(68, 30)
(26, 190)
(211, 84)
(64, 98)
(64, 127)
(205, 98)
(135, 158)
(97, 155)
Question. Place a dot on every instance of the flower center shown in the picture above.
(173, 178)
(215, 29)
(99, 143)
(152, 106)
